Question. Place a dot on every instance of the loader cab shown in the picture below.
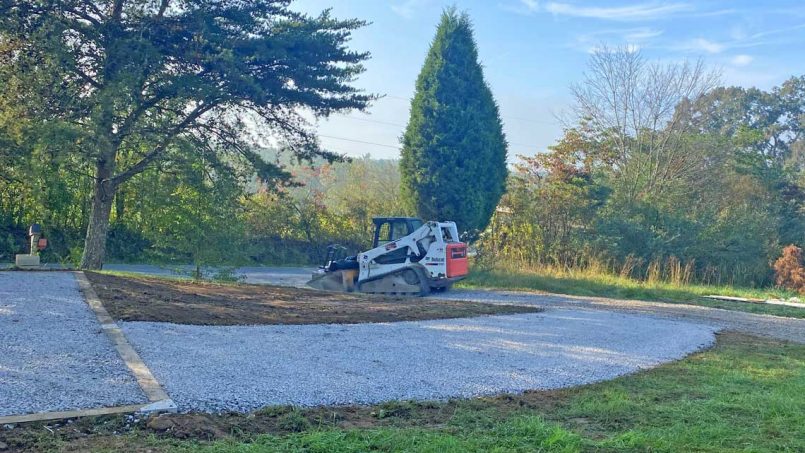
(388, 229)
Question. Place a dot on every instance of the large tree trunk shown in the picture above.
(102, 198)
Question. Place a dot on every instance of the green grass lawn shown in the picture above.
(603, 285)
(745, 394)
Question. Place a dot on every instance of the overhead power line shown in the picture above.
(397, 147)
(360, 141)
(368, 120)
(518, 118)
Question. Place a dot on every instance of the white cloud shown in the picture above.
(738, 33)
(521, 7)
(531, 5)
(702, 45)
(634, 38)
(632, 48)
(407, 8)
(777, 31)
(629, 47)
(741, 60)
(639, 34)
(645, 11)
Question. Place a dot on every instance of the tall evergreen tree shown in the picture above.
(454, 151)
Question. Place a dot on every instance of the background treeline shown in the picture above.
(661, 175)
(186, 211)
(657, 185)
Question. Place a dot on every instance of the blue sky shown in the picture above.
(533, 50)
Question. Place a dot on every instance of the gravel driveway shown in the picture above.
(780, 328)
(240, 368)
(53, 354)
(258, 275)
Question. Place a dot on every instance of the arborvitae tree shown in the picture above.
(454, 151)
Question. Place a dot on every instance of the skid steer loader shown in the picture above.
(408, 257)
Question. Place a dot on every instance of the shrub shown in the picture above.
(788, 269)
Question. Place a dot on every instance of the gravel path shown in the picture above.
(242, 368)
(53, 354)
(776, 327)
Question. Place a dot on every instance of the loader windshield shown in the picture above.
(388, 229)
(391, 231)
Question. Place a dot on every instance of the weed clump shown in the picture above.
(293, 421)
(399, 409)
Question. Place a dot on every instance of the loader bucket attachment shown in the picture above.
(340, 280)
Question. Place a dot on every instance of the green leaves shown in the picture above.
(454, 152)
(136, 78)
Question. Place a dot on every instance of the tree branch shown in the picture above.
(128, 123)
(117, 10)
(86, 78)
(160, 148)
(84, 16)
(162, 8)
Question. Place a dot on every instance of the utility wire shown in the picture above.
(518, 118)
(368, 120)
(397, 147)
(360, 141)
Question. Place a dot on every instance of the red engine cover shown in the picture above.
(457, 264)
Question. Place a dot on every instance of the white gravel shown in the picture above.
(240, 368)
(53, 354)
(777, 327)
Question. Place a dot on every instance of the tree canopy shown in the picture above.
(118, 86)
(454, 151)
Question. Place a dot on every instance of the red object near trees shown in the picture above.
(788, 269)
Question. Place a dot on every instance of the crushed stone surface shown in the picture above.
(53, 354)
(241, 368)
(770, 326)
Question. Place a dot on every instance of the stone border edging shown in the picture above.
(157, 397)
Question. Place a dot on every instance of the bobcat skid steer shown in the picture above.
(408, 257)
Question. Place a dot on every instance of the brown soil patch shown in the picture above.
(188, 302)
(132, 433)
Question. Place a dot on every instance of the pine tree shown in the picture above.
(453, 162)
